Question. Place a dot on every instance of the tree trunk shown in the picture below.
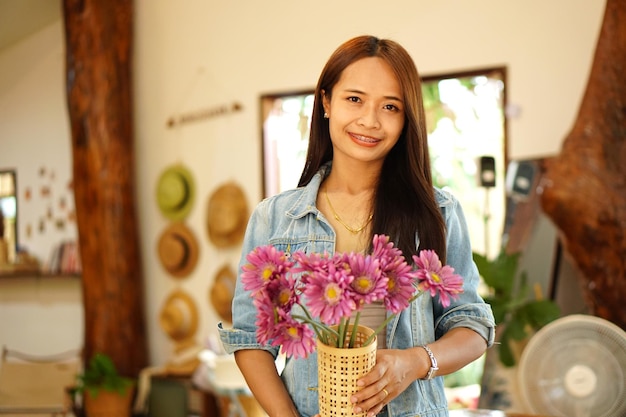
(584, 189)
(99, 93)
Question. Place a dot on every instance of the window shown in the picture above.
(8, 216)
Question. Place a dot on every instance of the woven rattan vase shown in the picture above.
(338, 371)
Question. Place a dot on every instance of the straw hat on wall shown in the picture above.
(222, 291)
(179, 316)
(227, 215)
(178, 250)
(175, 192)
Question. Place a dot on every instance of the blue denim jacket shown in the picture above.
(291, 222)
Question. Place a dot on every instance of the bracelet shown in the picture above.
(433, 364)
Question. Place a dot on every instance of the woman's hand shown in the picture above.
(394, 371)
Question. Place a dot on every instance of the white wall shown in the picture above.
(199, 54)
(39, 315)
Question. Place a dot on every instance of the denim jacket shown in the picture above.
(291, 222)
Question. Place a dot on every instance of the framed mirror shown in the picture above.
(8, 216)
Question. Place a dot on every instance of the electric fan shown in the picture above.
(575, 366)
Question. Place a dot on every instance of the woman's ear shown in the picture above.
(325, 102)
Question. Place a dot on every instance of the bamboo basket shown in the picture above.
(338, 371)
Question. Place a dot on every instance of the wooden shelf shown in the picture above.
(17, 274)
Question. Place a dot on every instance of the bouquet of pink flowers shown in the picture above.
(330, 288)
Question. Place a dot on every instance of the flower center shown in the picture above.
(284, 296)
(362, 285)
(332, 294)
(435, 277)
(267, 273)
(293, 332)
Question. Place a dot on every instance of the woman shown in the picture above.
(368, 172)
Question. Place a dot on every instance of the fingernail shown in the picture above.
(357, 410)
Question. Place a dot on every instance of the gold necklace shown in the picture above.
(348, 228)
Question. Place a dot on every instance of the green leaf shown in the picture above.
(499, 308)
(504, 349)
(541, 312)
(102, 374)
(499, 273)
(516, 327)
(511, 300)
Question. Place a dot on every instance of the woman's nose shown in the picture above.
(369, 118)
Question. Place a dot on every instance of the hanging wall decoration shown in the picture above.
(178, 250)
(175, 192)
(204, 114)
(222, 292)
(179, 316)
(227, 215)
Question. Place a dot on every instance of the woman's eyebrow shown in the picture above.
(355, 91)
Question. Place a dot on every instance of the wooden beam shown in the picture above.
(99, 96)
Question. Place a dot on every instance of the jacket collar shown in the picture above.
(305, 203)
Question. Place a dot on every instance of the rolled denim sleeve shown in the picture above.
(242, 334)
(469, 310)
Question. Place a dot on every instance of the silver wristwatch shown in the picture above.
(432, 372)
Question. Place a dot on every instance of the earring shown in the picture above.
(325, 115)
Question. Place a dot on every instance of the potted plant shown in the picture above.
(102, 390)
(517, 313)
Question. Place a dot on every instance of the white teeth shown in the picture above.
(366, 139)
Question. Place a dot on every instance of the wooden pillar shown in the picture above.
(584, 189)
(99, 95)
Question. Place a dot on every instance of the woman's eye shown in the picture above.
(391, 107)
(354, 99)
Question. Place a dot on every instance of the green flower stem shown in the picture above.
(354, 330)
(325, 332)
(322, 331)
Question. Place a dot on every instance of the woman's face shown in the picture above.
(365, 110)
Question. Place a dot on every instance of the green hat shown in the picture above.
(175, 192)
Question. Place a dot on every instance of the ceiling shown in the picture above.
(21, 18)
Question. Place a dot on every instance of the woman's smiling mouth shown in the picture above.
(368, 140)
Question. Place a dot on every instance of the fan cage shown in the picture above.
(595, 348)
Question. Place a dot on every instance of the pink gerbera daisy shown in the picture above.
(266, 319)
(400, 285)
(328, 294)
(296, 338)
(313, 262)
(264, 264)
(368, 284)
(384, 250)
(436, 278)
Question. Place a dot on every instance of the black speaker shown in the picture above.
(487, 171)
(521, 177)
